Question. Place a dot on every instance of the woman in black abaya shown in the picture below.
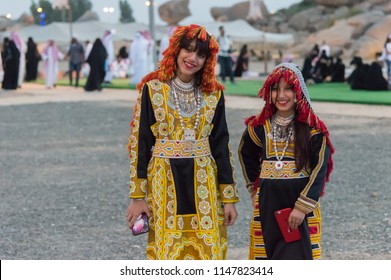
(96, 60)
(32, 59)
(10, 56)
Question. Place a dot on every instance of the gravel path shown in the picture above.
(64, 179)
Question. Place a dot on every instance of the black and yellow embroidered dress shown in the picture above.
(185, 186)
(279, 189)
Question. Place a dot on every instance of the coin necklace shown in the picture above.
(188, 133)
(278, 165)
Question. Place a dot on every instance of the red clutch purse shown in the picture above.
(282, 220)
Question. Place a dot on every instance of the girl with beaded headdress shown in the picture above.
(286, 158)
(181, 165)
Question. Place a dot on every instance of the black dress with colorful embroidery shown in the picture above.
(285, 188)
(185, 185)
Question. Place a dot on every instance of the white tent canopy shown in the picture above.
(61, 32)
(239, 30)
(242, 32)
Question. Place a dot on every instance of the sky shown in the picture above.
(200, 9)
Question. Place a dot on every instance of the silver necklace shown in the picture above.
(186, 96)
(188, 133)
(278, 165)
(283, 121)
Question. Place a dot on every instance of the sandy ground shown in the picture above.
(63, 176)
(38, 94)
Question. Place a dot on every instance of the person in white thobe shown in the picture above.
(85, 69)
(164, 42)
(139, 58)
(51, 55)
(107, 41)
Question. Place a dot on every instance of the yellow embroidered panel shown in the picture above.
(288, 170)
(181, 148)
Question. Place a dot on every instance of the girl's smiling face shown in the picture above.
(283, 97)
(189, 62)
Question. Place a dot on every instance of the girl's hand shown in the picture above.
(135, 208)
(230, 214)
(295, 219)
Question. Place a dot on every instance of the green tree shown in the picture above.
(78, 8)
(45, 14)
(126, 12)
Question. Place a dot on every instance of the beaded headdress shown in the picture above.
(304, 112)
(168, 65)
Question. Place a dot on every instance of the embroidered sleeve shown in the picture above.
(221, 151)
(140, 144)
(249, 153)
(309, 197)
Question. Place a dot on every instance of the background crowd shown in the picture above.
(99, 62)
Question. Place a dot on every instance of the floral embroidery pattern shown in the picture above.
(211, 101)
(157, 99)
(194, 223)
(170, 207)
(206, 222)
(229, 192)
(163, 129)
(206, 131)
(202, 192)
(160, 114)
(209, 115)
(204, 207)
(201, 161)
(201, 176)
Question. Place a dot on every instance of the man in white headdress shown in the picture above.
(164, 42)
(51, 55)
(22, 47)
(139, 57)
(107, 41)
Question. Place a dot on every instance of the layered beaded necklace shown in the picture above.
(190, 99)
(282, 131)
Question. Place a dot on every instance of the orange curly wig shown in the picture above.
(167, 67)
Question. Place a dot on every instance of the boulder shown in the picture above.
(363, 21)
(337, 3)
(26, 19)
(373, 40)
(5, 24)
(88, 16)
(241, 11)
(174, 11)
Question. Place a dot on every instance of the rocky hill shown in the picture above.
(350, 27)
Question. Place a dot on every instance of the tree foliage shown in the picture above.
(126, 12)
(78, 8)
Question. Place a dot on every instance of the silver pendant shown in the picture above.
(278, 165)
(189, 134)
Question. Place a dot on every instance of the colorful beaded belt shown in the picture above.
(181, 148)
(286, 171)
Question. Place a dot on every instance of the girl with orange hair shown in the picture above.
(181, 165)
(285, 153)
